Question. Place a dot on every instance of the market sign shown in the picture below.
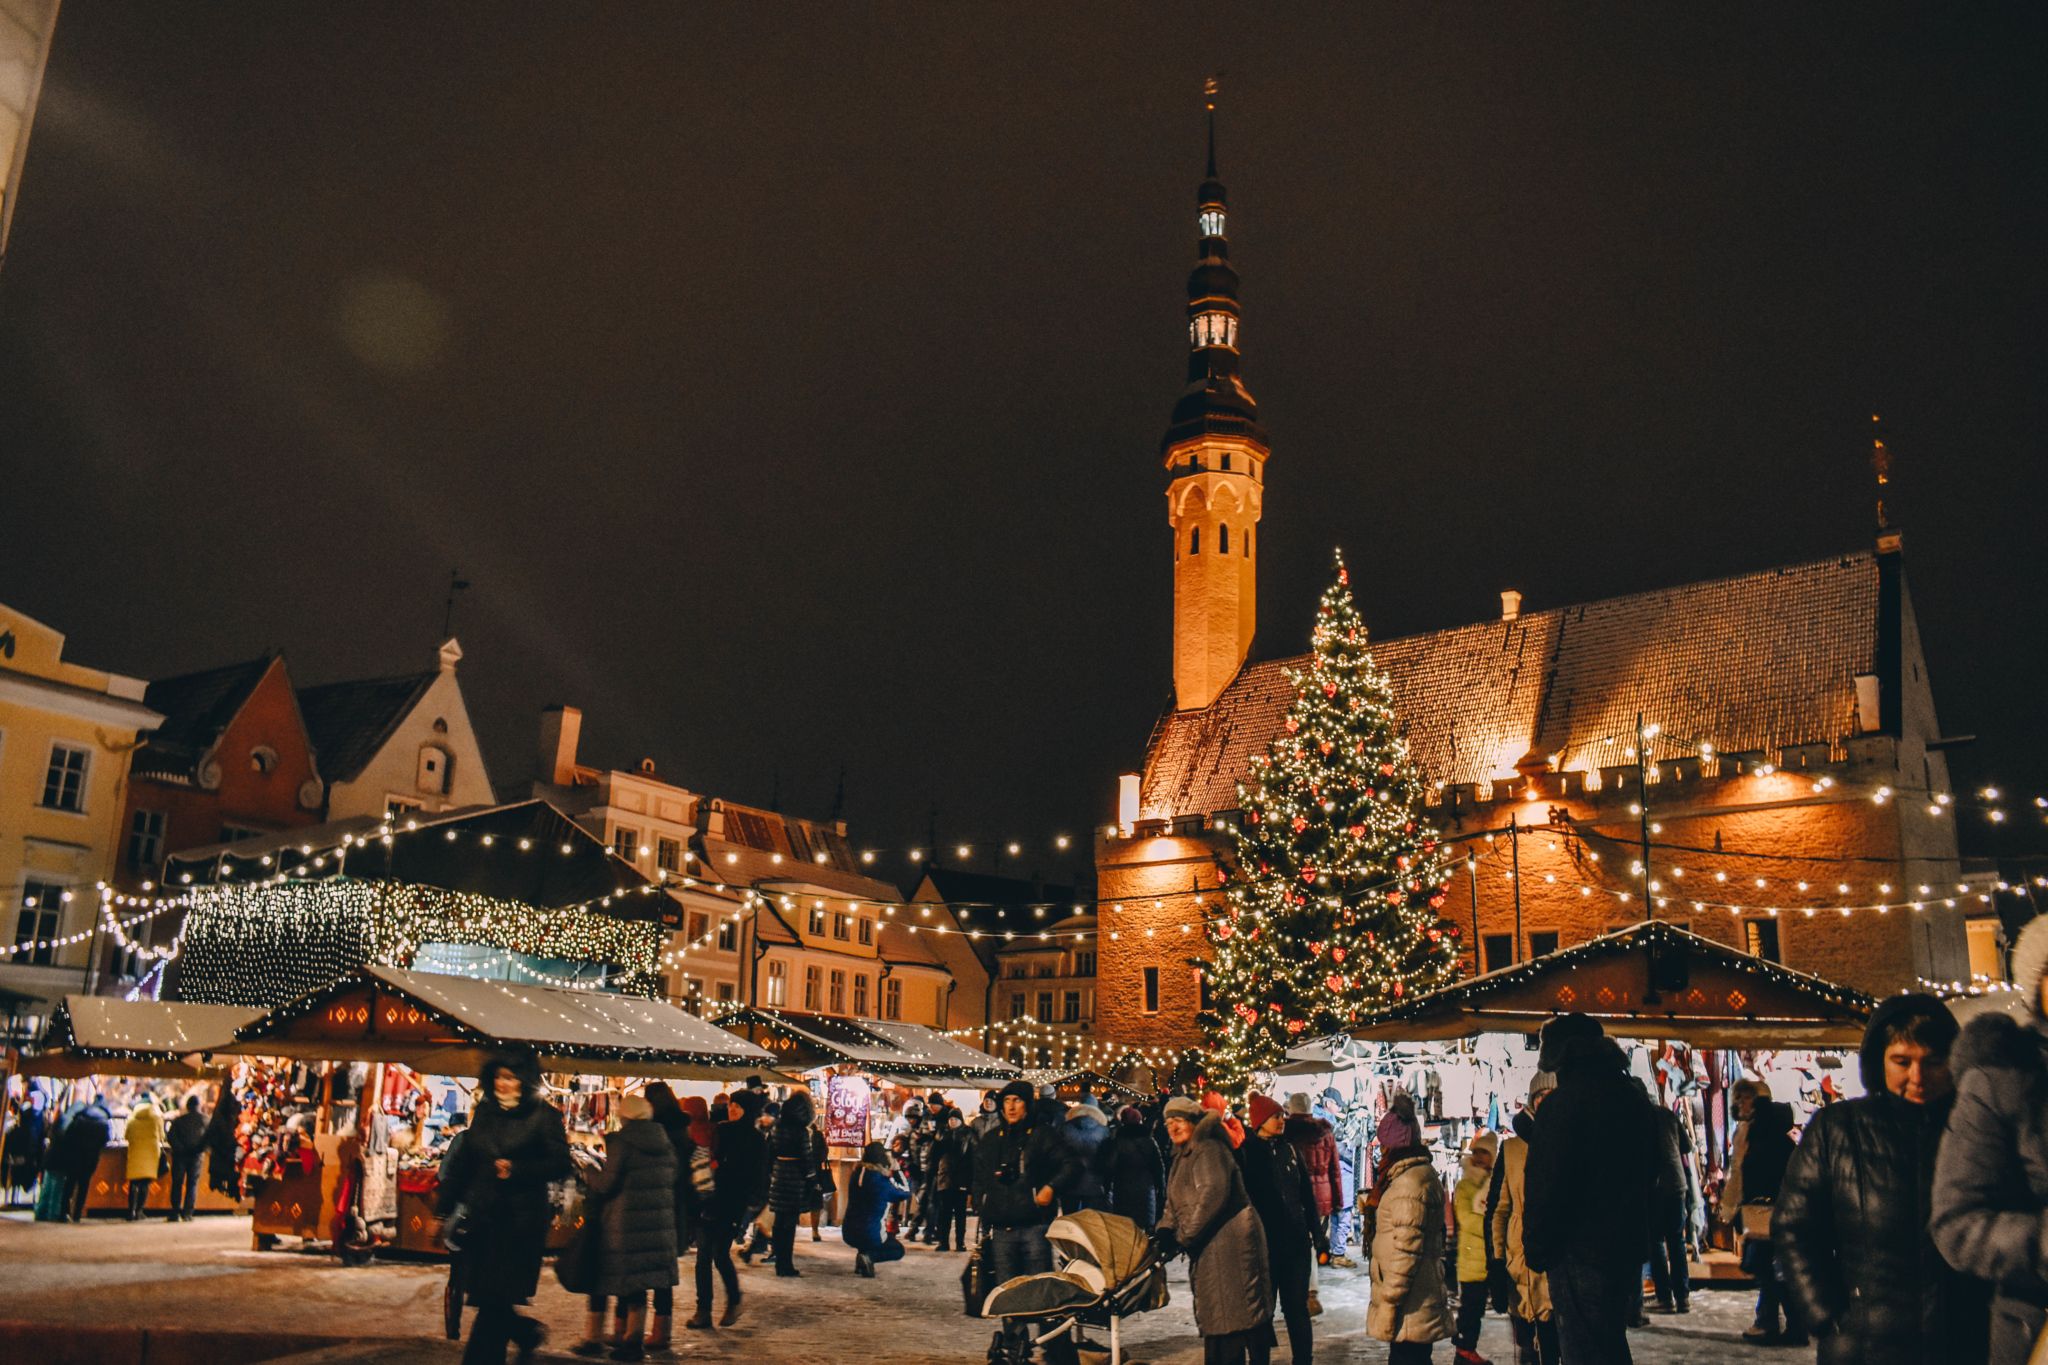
(848, 1102)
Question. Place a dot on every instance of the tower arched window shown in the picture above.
(1195, 541)
(1211, 220)
(1223, 539)
(1212, 329)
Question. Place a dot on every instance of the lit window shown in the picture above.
(1212, 222)
(1223, 539)
(64, 783)
(42, 911)
(700, 925)
(778, 982)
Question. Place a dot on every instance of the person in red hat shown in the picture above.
(1277, 1182)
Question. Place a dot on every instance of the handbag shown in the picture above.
(974, 1280)
(577, 1265)
(1756, 1219)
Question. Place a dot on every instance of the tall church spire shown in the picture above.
(1215, 454)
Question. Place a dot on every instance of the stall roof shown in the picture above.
(908, 1053)
(1710, 996)
(452, 1023)
(510, 852)
(98, 1034)
(1059, 1078)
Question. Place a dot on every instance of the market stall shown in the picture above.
(1694, 1016)
(864, 1070)
(130, 1052)
(446, 1026)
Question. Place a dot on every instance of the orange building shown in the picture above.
(1781, 725)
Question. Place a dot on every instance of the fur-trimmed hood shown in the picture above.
(1998, 1041)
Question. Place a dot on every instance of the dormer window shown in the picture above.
(262, 759)
(1212, 222)
(1212, 329)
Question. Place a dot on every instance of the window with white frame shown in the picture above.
(867, 929)
(626, 843)
(818, 921)
(42, 915)
(668, 855)
(860, 994)
(892, 999)
(64, 783)
(810, 988)
(842, 926)
(778, 982)
(145, 840)
(836, 995)
(1211, 220)
(728, 934)
(1070, 1007)
(1212, 329)
(397, 808)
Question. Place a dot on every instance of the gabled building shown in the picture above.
(67, 734)
(1007, 941)
(1769, 738)
(392, 747)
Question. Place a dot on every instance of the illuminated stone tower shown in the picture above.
(1215, 454)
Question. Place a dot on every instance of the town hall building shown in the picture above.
(1769, 738)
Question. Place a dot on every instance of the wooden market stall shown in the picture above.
(856, 1058)
(97, 1035)
(449, 1025)
(1650, 980)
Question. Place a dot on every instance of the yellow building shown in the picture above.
(66, 734)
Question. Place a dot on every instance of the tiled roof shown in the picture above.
(982, 888)
(196, 707)
(349, 721)
(1758, 661)
(896, 944)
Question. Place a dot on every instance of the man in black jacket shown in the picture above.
(1020, 1170)
(1276, 1181)
(187, 1140)
(1590, 1186)
(739, 1186)
(1669, 1262)
(1850, 1222)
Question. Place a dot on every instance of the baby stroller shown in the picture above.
(1108, 1271)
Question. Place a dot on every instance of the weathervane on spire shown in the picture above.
(1881, 466)
(1211, 87)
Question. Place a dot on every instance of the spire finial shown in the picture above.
(1881, 466)
(1211, 87)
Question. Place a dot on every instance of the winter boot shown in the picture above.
(658, 1332)
(593, 1343)
(699, 1321)
(1467, 1356)
(732, 1312)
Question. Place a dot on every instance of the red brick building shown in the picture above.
(1798, 798)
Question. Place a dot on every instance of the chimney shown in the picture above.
(1510, 606)
(560, 727)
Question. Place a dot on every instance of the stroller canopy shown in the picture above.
(1116, 1244)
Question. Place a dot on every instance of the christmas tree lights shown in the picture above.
(1332, 903)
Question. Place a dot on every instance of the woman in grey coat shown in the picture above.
(1209, 1216)
(636, 1198)
(1991, 1171)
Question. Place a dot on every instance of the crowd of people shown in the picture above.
(52, 1156)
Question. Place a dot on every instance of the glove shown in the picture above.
(1166, 1242)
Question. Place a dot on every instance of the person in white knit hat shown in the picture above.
(1990, 1204)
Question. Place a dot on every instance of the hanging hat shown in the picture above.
(1258, 1109)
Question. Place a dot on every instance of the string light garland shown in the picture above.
(264, 945)
(1333, 897)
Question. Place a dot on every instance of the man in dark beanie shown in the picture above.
(1021, 1169)
(1591, 1176)
(1851, 1220)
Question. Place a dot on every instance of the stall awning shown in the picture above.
(449, 1024)
(1651, 980)
(101, 1035)
(908, 1054)
(1075, 1078)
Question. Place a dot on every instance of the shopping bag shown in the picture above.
(577, 1265)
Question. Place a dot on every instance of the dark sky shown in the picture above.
(789, 380)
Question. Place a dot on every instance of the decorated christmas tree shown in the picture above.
(1333, 906)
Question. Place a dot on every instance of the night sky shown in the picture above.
(788, 381)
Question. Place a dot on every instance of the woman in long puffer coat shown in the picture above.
(1408, 1303)
(1209, 1215)
(1991, 1173)
(498, 1177)
(796, 1151)
(636, 1209)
